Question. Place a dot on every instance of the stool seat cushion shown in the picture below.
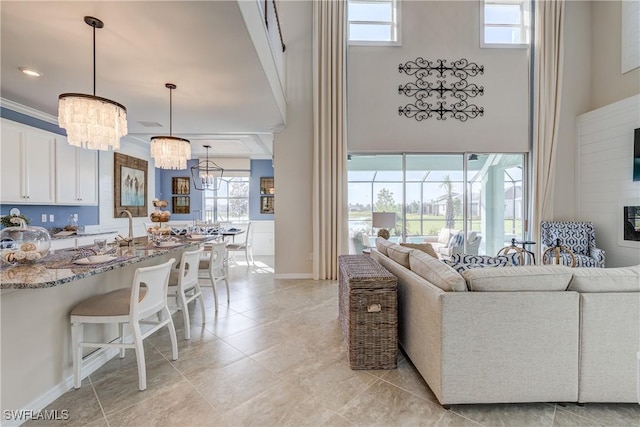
(114, 303)
(204, 264)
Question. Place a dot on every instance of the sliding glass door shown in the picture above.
(478, 195)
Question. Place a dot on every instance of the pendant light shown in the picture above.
(170, 152)
(91, 121)
(207, 175)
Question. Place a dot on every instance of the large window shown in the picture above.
(229, 203)
(505, 23)
(429, 192)
(374, 21)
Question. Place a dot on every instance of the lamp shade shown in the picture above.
(384, 219)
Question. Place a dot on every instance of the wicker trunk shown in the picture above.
(368, 309)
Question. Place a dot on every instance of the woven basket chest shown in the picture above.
(368, 310)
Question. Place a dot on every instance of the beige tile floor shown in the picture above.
(274, 356)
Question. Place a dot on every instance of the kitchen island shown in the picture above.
(35, 302)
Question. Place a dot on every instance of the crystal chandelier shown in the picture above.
(91, 121)
(170, 152)
(207, 175)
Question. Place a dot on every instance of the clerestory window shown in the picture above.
(374, 22)
(505, 23)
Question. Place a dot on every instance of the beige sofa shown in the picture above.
(517, 334)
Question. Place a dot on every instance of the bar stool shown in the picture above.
(184, 286)
(147, 297)
(215, 266)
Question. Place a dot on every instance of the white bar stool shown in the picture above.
(215, 266)
(184, 286)
(147, 297)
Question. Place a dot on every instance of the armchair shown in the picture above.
(580, 237)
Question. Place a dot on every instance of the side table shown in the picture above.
(368, 310)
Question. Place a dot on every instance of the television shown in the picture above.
(636, 155)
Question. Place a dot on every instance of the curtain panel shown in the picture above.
(329, 193)
(548, 66)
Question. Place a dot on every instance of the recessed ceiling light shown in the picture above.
(30, 72)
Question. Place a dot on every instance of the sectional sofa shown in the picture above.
(517, 334)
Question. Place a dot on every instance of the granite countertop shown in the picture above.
(54, 231)
(58, 267)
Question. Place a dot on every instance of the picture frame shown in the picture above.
(181, 204)
(266, 204)
(267, 185)
(130, 185)
(180, 185)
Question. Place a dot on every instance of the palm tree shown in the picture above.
(450, 220)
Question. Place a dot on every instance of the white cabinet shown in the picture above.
(76, 174)
(27, 158)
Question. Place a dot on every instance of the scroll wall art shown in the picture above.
(445, 85)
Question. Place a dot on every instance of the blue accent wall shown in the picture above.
(259, 168)
(87, 215)
(164, 190)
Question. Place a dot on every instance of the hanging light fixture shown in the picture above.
(207, 175)
(170, 152)
(91, 121)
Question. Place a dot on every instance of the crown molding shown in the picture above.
(32, 112)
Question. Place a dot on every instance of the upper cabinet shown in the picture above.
(76, 174)
(41, 168)
(28, 164)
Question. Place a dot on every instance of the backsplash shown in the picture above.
(87, 215)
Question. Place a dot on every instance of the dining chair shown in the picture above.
(215, 267)
(184, 287)
(245, 246)
(134, 306)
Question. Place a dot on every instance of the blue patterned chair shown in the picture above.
(580, 237)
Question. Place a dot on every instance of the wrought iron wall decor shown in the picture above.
(454, 96)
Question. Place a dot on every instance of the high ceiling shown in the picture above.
(223, 97)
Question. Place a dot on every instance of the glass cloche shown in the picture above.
(24, 244)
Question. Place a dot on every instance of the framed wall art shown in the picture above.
(181, 205)
(129, 185)
(180, 185)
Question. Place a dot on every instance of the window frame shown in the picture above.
(213, 195)
(523, 26)
(396, 25)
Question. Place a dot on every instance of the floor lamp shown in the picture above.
(383, 221)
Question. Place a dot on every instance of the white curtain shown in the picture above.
(548, 59)
(329, 137)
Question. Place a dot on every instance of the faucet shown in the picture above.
(129, 238)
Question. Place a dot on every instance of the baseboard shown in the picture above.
(293, 276)
(91, 364)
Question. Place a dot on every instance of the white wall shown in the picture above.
(293, 147)
(576, 99)
(105, 170)
(437, 30)
(608, 83)
(605, 164)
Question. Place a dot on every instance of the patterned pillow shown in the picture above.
(501, 260)
(460, 267)
(456, 240)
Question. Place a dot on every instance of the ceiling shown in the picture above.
(223, 97)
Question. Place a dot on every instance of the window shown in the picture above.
(429, 192)
(374, 22)
(505, 23)
(229, 203)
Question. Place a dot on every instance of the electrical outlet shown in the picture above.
(50, 217)
(75, 217)
(44, 218)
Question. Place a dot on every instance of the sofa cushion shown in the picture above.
(399, 254)
(624, 279)
(436, 272)
(444, 235)
(424, 247)
(382, 245)
(525, 278)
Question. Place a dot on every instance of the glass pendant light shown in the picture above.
(170, 152)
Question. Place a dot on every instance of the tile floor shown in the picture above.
(274, 356)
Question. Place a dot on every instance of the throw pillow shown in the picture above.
(382, 245)
(424, 247)
(399, 254)
(461, 267)
(456, 240)
(436, 272)
(500, 260)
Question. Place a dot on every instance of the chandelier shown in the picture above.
(207, 175)
(91, 121)
(170, 152)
